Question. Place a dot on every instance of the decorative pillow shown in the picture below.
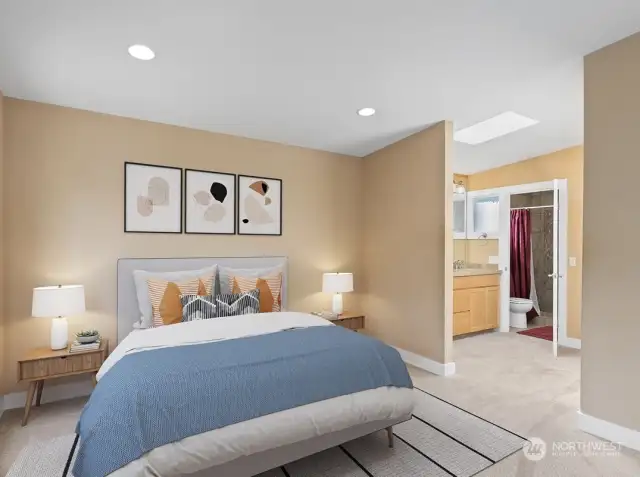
(226, 273)
(235, 304)
(140, 278)
(165, 297)
(197, 307)
(269, 290)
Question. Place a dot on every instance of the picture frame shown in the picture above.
(259, 202)
(210, 202)
(152, 198)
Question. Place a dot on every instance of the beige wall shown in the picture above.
(565, 164)
(2, 231)
(408, 247)
(610, 350)
(460, 250)
(479, 251)
(63, 179)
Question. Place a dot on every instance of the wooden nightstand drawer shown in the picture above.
(41, 364)
(352, 323)
(60, 366)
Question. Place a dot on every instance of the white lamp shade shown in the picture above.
(49, 302)
(337, 282)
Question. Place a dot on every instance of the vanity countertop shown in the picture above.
(470, 272)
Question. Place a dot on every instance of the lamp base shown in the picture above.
(337, 304)
(59, 333)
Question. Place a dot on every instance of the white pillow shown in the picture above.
(226, 272)
(140, 278)
(138, 325)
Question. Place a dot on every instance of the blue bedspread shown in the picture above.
(152, 398)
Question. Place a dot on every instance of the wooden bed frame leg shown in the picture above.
(390, 436)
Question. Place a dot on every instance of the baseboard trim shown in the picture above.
(609, 431)
(574, 343)
(58, 392)
(441, 369)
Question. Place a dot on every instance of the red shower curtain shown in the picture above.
(520, 253)
(521, 256)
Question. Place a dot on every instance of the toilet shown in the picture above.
(519, 307)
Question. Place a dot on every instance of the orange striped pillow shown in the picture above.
(269, 287)
(165, 297)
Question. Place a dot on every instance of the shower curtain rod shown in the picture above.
(534, 207)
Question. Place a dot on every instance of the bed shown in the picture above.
(326, 386)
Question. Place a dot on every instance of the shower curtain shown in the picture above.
(521, 256)
(534, 294)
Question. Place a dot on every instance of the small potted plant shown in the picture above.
(87, 336)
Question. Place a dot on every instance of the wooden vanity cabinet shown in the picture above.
(476, 303)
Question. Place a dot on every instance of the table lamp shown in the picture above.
(58, 302)
(337, 283)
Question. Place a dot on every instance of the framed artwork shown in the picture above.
(210, 202)
(152, 198)
(260, 206)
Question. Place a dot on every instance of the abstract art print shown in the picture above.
(260, 203)
(152, 198)
(210, 199)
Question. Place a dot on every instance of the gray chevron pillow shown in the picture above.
(197, 307)
(234, 304)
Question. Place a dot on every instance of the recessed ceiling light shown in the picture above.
(497, 126)
(141, 52)
(366, 112)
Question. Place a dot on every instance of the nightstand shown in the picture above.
(352, 321)
(43, 363)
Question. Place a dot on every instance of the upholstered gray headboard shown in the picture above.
(128, 312)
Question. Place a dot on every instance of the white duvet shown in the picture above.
(224, 445)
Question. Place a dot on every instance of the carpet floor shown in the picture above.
(441, 440)
(543, 332)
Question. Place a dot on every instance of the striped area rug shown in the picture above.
(441, 440)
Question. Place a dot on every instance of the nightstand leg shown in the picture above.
(390, 436)
(94, 378)
(27, 407)
(39, 392)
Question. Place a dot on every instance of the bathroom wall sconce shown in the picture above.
(458, 187)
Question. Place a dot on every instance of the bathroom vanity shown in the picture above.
(476, 300)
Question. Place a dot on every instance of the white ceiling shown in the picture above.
(296, 71)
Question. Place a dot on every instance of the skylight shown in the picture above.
(498, 126)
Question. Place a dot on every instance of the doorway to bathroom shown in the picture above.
(533, 259)
(532, 262)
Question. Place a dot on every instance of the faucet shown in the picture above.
(458, 264)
